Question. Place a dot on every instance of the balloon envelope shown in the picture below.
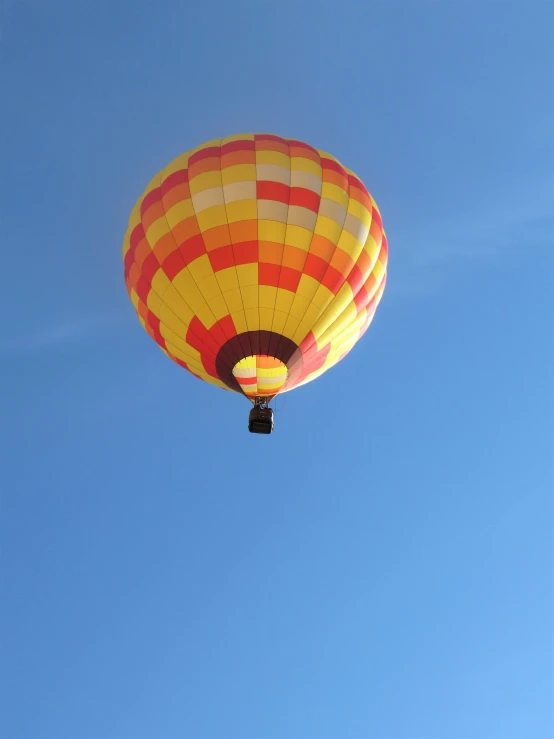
(255, 262)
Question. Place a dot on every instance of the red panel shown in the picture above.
(173, 264)
(227, 327)
(150, 267)
(218, 335)
(192, 249)
(268, 274)
(222, 258)
(272, 191)
(242, 145)
(152, 197)
(142, 288)
(335, 166)
(305, 198)
(270, 137)
(153, 321)
(209, 366)
(315, 267)
(247, 380)
(128, 262)
(180, 177)
(289, 278)
(137, 235)
(355, 182)
(361, 300)
(201, 339)
(355, 278)
(246, 252)
(333, 279)
(207, 153)
(375, 216)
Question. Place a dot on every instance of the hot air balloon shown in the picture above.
(256, 263)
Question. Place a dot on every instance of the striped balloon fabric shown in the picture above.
(255, 262)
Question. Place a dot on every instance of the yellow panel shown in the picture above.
(227, 278)
(200, 268)
(301, 332)
(187, 287)
(272, 231)
(266, 318)
(241, 210)
(205, 181)
(299, 306)
(284, 300)
(326, 155)
(267, 294)
(134, 298)
(176, 322)
(360, 211)
(328, 228)
(372, 248)
(154, 302)
(291, 324)
(238, 173)
(307, 287)
(300, 164)
(219, 308)
(250, 297)
(299, 237)
(179, 307)
(134, 219)
(350, 245)
(279, 320)
(323, 297)
(340, 325)
(160, 282)
(180, 212)
(247, 274)
(336, 193)
(211, 217)
(312, 314)
(351, 332)
(233, 298)
(252, 319)
(273, 157)
(378, 271)
(209, 287)
(174, 339)
(159, 228)
(333, 311)
(239, 319)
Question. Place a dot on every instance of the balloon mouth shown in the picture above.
(252, 349)
(260, 375)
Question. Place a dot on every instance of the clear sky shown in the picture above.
(386, 572)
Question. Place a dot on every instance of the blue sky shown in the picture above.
(386, 573)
